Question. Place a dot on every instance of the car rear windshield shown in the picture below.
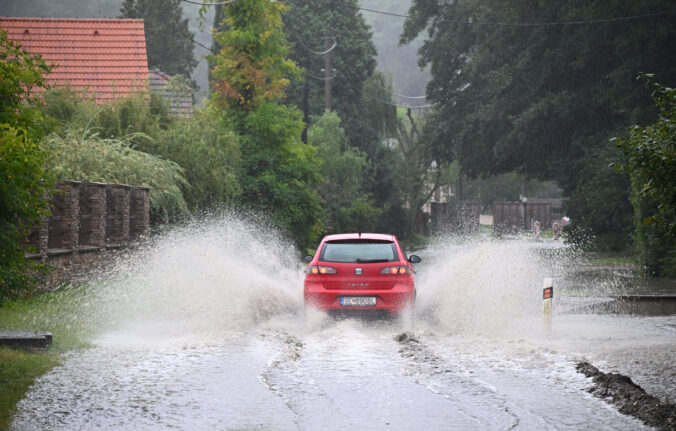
(359, 251)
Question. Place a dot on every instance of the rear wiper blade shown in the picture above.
(372, 260)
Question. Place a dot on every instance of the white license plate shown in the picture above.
(358, 301)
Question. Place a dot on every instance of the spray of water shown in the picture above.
(218, 273)
(486, 286)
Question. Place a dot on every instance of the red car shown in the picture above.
(364, 273)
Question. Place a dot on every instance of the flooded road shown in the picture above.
(206, 330)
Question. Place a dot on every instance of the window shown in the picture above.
(361, 251)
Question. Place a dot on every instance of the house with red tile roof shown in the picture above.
(102, 58)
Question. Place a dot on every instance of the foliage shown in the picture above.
(209, 155)
(651, 153)
(20, 73)
(83, 156)
(249, 76)
(352, 61)
(538, 99)
(169, 42)
(599, 205)
(24, 182)
(24, 179)
(251, 67)
(382, 117)
(343, 168)
(419, 175)
(206, 150)
(143, 113)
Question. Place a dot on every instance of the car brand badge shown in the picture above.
(358, 271)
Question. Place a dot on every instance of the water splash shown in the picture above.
(487, 286)
(214, 274)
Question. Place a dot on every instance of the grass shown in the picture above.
(55, 312)
(615, 261)
(18, 370)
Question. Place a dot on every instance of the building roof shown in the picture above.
(104, 58)
(179, 99)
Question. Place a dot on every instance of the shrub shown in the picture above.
(83, 156)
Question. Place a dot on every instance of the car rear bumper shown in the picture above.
(393, 300)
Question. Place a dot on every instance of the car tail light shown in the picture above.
(395, 270)
(315, 269)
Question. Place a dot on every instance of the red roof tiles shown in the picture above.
(104, 58)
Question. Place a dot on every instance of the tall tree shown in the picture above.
(249, 76)
(516, 91)
(344, 169)
(169, 42)
(312, 28)
(24, 178)
(652, 166)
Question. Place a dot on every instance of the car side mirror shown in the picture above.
(414, 259)
(306, 259)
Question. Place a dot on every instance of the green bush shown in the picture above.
(24, 182)
(24, 179)
(145, 113)
(651, 153)
(343, 169)
(83, 156)
(209, 154)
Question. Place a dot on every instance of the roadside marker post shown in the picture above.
(547, 298)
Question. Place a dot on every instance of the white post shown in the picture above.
(547, 297)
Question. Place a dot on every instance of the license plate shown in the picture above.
(358, 301)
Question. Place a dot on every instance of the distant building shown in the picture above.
(179, 99)
(101, 58)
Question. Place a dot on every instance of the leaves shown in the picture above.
(24, 178)
(250, 73)
(168, 40)
(651, 154)
(83, 156)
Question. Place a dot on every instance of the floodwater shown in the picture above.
(205, 329)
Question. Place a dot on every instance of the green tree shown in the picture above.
(651, 153)
(513, 95)
(24, 178)
(352, 60)
(344, 168)
(169, 42)
(249, 76)
(419, 174)
(209, 153)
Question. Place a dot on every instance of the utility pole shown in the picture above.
(328, 98)
(306, 105)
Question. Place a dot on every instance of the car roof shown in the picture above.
(371, 236)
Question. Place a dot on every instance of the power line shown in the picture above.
(520, 24)
(200, 44)
(209, 4)
(321, 78)
(320, 52)
(397, 94)
(397, 105)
